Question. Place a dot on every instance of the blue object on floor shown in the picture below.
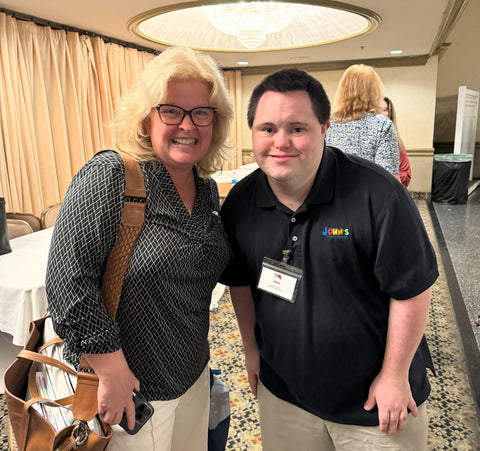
(219, 419)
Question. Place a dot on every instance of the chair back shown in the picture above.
(33, 220)
(18, 227)
(49, 215)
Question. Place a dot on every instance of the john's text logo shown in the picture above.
(334, 232)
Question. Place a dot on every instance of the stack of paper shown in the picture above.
(53, 384)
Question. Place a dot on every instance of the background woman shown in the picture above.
(174, 121)
(388, 110)
(356, 128)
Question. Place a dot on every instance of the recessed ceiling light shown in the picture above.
(299, 58)
(252, 26)
(396, 52)
(242, 63)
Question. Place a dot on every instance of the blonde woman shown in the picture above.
(174, 122)
(356, 128)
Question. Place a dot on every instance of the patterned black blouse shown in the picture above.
(163, 318)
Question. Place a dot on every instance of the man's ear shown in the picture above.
(326, 126)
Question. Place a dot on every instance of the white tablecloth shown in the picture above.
(22, 283)
(237, 174)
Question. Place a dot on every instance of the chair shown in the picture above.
(18, 227)
(49, 215)
(33, 220)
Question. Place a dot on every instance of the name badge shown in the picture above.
(279, 279)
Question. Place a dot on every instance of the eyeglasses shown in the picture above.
(174, 115)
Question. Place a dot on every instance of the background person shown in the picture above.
(356, 128)
(174, 121)
(388, 110)
(332, 339)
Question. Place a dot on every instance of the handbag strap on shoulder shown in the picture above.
(131, 224)
(85, 399)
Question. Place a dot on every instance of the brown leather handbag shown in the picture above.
(33, 431)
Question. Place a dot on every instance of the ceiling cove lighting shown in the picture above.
(252, 26)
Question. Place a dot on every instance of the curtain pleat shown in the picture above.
(58, 92)
(19, 170)
(57, 96)
(233, 80)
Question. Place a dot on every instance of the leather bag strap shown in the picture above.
(62, 402)
(50, 342)
(133, 216)
(40, 358)
(131, 224)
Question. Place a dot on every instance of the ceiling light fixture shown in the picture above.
(250, 22)
(253, 26)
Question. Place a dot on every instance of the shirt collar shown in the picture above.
(322, 190)
(323, 187)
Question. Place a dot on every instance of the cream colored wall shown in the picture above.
(413, 91)
(459, 66)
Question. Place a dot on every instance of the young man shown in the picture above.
(330, 279)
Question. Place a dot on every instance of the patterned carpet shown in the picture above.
(453, 421)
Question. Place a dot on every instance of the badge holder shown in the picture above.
(279, 278)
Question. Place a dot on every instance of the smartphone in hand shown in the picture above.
(143, 412)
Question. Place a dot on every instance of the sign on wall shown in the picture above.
(466, 125)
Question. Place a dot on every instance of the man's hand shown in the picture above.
(252, 364)
(245, 311)
(393, 398)
(390, 390)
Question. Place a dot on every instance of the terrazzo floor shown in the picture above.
(460, 225)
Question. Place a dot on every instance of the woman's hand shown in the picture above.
(115, 388)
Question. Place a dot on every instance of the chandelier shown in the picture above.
(250, 22)
(252, 26)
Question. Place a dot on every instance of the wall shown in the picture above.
(413, 91)
(458, 66)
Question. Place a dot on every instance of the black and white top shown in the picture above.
(163, 317)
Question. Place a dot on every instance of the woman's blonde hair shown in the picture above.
(359, 92)
(150, 89)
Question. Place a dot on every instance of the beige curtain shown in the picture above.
(57, 94)
(233, 80)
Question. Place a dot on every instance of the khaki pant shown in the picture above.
(286, 427)
(177, 425)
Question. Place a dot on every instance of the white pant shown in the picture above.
(177, 425)
(286, 427)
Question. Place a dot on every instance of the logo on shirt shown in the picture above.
(335, 232)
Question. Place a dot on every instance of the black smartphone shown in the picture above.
(143, 411)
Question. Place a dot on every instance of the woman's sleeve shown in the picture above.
(405, 171)
(387, 154)
(85, 231)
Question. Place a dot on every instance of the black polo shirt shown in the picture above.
(359, 240)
